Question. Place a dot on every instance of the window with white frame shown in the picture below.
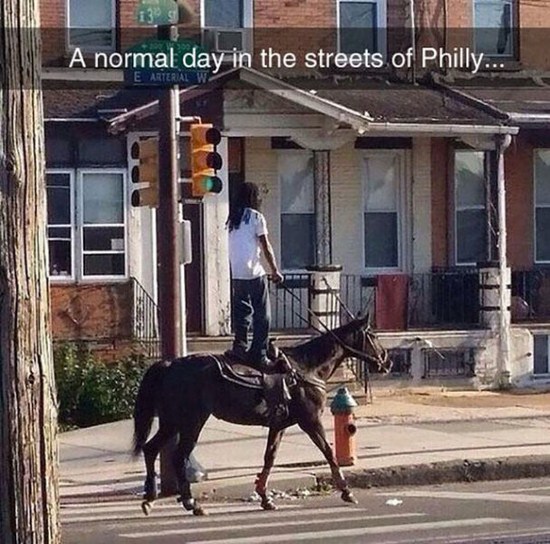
(90, 243)
(91, 24)
(540, 354)
(494, 28)
(470, 215)
(361, 26)
(297, 209)
(382, 209)
(225, 24)
(542, 205)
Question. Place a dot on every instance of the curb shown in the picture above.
(468, 470)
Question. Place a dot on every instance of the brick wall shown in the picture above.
(52, 20)
(322, 14)
(100, 312)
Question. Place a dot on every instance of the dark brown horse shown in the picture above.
(187, 391)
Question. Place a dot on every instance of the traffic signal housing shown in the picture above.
(146, 152)
(205, 160)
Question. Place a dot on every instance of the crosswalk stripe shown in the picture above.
(359, 531)
(135, 505)
(499, 497)
(198, 530)
(283, 510)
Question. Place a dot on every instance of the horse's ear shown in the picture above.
(364, 320)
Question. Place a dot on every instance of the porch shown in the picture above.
(444, 299)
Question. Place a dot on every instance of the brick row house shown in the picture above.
(396, 175)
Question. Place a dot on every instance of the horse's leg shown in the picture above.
(150, 452)
(189, 434)
(273, 440)
(316, 432)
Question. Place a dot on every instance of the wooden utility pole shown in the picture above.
(28, 441)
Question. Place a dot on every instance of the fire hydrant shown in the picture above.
(342, 407)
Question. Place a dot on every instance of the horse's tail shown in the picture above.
(146, 405)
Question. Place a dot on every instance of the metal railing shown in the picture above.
(531, 295)
(449, 363)
(438, 299)
(145, 321)
(444, 298)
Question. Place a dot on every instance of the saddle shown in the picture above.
(275, 386)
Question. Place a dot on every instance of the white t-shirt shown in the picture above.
(244, 246)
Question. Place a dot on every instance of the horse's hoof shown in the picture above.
(146, 507)
(269, 505)
(347, 496)
(199, 511)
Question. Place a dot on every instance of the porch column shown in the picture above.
(323, 227)
(217, 288)
(503, 362)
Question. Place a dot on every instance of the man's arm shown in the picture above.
(265, 244)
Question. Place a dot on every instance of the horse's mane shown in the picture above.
(313, 353)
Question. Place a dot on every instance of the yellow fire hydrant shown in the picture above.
(342, 408)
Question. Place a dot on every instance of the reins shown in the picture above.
(359, 354)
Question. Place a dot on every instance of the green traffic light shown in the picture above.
(213, 184)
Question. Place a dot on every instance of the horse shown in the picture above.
(186, 391)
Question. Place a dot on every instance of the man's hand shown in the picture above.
(276, 277)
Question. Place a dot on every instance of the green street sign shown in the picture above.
(163, 62)
(157, 12)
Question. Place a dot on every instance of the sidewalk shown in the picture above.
(432, 429)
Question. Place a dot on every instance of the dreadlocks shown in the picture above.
(248, 196)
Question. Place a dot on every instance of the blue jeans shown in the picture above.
(251, 307)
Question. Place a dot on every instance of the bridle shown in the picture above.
(367, 335)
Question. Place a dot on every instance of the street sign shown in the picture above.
(164, 63)
(157, 12)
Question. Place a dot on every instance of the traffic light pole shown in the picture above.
(167, 246)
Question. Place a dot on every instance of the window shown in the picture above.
(91, 24)
(361, 26)
(90, 243)
(540, 354)
(103, 240)
(225, 24)
(59, 187)
(297, 209)
(470, 216)
(542, 205)
(494, 29)
(382, 222)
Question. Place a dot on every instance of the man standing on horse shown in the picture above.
(248, 240)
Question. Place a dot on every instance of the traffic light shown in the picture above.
(205, 160)
(146, 171)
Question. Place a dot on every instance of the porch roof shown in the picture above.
(366, 105)
(98, 101)
(525, 99)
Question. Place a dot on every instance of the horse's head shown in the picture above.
(366, 346)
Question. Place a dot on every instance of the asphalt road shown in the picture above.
(503, 512)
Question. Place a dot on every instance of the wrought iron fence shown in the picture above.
(145, 321)
(449, 363)
(531, 294)
(442, 298)
(289, 309)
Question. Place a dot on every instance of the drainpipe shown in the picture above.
(503, 361)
